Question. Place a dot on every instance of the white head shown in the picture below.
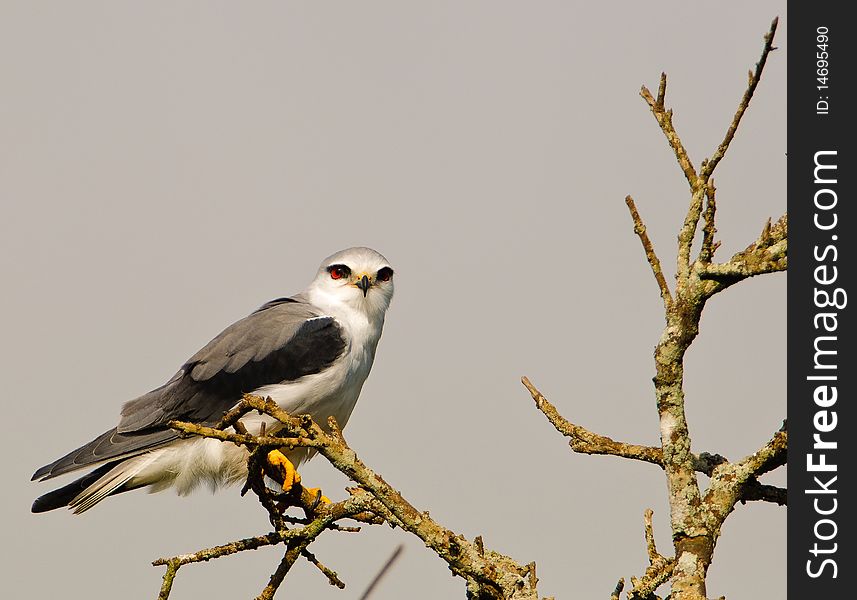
(357, 278)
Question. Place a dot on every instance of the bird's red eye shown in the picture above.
(338, 271)
(385, 274)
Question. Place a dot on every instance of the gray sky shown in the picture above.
(166, 167)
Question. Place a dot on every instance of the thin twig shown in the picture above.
(289, 558)
(651, 256)
(173, 566)
(754, 79)
(664, 118)
(382, 572)
(651, 548)
(174, 563)
(332, 576)
(709, 246)
(659, 570)
(656, 575)
(662, 90)
(686, 235)
(617, 591)
(289, 443)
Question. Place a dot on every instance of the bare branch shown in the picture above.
(617, 591)
(167, 585)
(686, 236)
(380, 575)
(583, 441)
(767, 458)
(332, 576)
(650, 537)
(768, 254)
(709, 246)
(176, 562)
(586, 442)
(753, 490)
(253, 441)
(754, 79)
(660, 568)
(656, 575)
(664, 118)
(654, 262)
(278, 576)
(728, 482)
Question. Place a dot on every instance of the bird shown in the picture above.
(311, 353)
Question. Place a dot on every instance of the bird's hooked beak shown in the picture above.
(364, 284)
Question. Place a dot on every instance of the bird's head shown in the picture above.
(359, 278)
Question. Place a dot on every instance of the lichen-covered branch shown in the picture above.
(488, 574)
(617, 591)
(768, 254)
(709, 245)
(664, 117)
(332, 576)
(651, 547)
(583, 441)
(654, 262)
(660, 568)
(728, 481)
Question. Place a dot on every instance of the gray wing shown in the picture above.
(284, 340)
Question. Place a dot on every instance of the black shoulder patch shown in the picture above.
(206, 401)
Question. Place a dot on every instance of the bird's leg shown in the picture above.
(289, 476)
(282, 466)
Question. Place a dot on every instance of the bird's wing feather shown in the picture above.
(110, 445)
(282, 341)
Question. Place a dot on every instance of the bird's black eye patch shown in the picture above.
(338, 271)
(385, 274)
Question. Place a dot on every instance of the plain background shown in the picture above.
(167, 167)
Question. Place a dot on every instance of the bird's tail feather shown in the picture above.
(61, 497)
(110, 482)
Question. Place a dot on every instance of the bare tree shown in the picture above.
(696, 515)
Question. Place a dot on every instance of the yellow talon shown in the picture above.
(317, 492)
(285, 468)
(290, 477)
